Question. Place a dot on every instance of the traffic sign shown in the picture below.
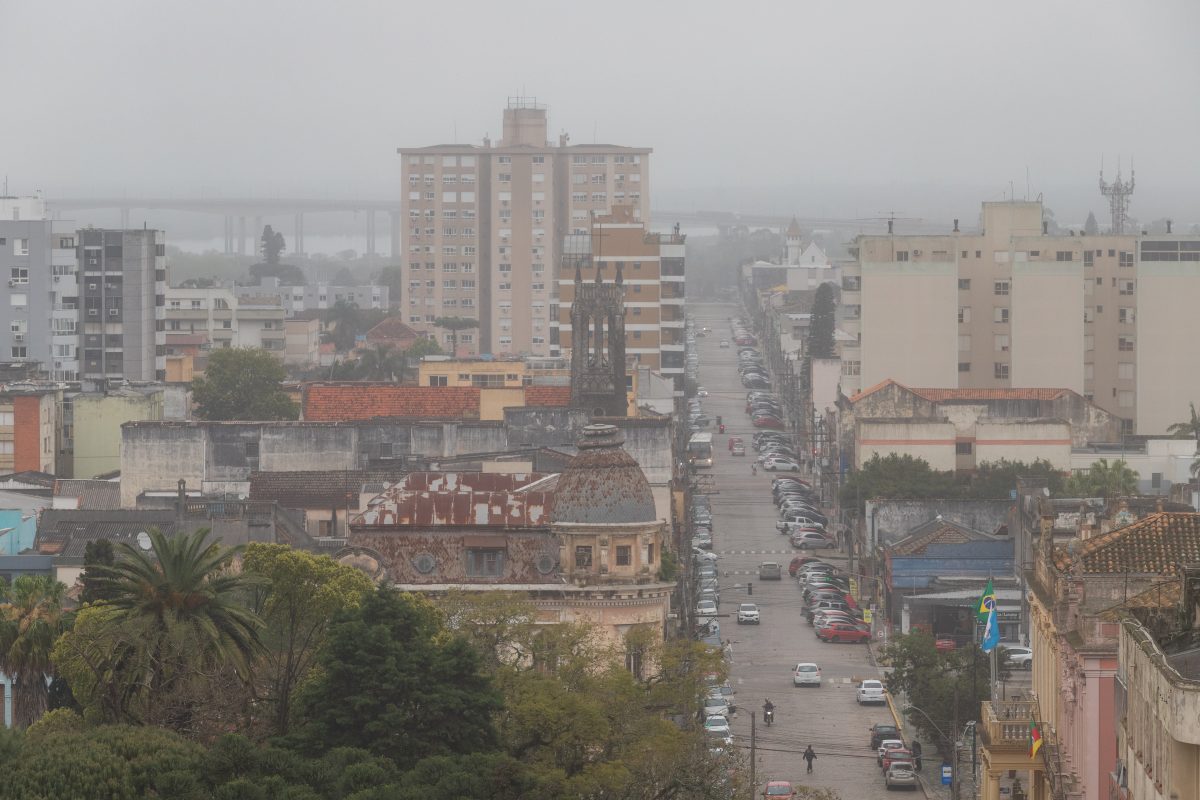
(947, 774)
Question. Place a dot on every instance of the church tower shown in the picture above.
(598, 345)
(794, 246)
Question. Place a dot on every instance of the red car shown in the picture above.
(896, 755)
(843, 632)
(944, 644)
(769, 422)
(798, 562)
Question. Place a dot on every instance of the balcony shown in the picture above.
(1006, 724)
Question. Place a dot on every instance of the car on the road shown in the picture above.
(738, 449)
(779, 789)
(717, 727)
(900, 774)
(701, 392)
(871, 691)
(881, 731)
(770, 571)
(768, 422)
(806, 673)
(1017, 656)
(892, 756)
(944, 643)
(747, 614)
(706, 608)
(812, 540)
(772, 464)
(724, 344)
(886, 746)
(843, 632)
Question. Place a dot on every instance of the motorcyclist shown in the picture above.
(768, 711)
(754, 469)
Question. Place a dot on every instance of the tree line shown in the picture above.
(196, 671)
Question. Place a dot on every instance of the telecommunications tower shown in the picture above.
(1118, 193)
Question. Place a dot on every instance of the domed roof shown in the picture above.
(603, 484)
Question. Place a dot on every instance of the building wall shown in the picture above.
(1046, 339)
(1024, 441)
(302, 341)
(453, 372)
(893, 519)
(1167, 327)
(97, 430)
(930, 440)
(909, 331)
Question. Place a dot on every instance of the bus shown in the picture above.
(700, 450)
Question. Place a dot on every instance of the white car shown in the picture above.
(717, 727)
(1018, 657)
(780, 465)
(717, 705)
(705, 555)
(888, 744)
(806, 674)
(702, 392)
(748, 614)
(725, 344)
(706, 608)
(812, 540)
(871, 691)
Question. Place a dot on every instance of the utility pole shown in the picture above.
(954, 747)
(753, 756)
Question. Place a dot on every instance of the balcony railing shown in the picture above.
(1006, 724)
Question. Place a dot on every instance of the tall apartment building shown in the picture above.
(486, 225)
(652, 273)
(38, 294)
(317, 295)
(122, 284)
(223, 319)
(1011, 306)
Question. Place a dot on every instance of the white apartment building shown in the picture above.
(485, 226)
(1110, 317)
(213, 318)
(39, 296)
(318, 296)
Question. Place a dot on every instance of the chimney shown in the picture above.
(890, 225)
(1168, 226)
(956, 224)
(1045, 227)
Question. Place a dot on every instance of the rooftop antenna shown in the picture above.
(1118, 193)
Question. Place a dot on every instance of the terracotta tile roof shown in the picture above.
(336, 402)
(951, 395)
(317, 489)
(547, 395)
(1150, 546)
(391, 329)
(942, 533)
(399, 508)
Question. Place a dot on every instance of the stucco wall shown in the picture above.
(307, 447)
(893, 519)
(156, 456)
(98, 420)
(910, 323)
(1047, 334)
(1168, 294)
(932, 441)
(1024, 441)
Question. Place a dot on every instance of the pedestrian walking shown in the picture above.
(916, 752)
(810, 756)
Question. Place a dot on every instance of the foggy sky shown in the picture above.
(827, 109)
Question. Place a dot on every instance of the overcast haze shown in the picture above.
(837, 108)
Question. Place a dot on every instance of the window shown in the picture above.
(1125, 344)
(504, 160)
(1089, 372)
(18, 300)
(902, 255)
(505, 177)
(1000, 288)
(1064, 255)
(964, 283)
(1125, 371)
(1000, 315)
(20, 352)
(964, 366)
(964, 343)
(1155, 480)
(251, 449)
(20, 248)
(1089, 259)
(1125, 399)
(1126, 258)
(1034, 254)
(580, 197)
(539, 159)
(964, 314)
(1000, 370)
(1089, 342)
(18, 276)
(1126, 287)
(485, 563)
(1125, 315)
(624, 555)
(468, 283)
(964, 255)
(583, 557)
(851, 367)
(963, 448)
(1089, 314)
(1001, 342)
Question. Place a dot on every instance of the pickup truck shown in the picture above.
(770, 571)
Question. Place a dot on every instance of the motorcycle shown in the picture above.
(769, 717)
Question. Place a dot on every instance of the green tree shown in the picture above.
(424, 346)
(380, 363)
(1104, 479)
(243, 384)
(31, 618)
(272, 245)
(896, 477)
(288, 274)
(821, 324)
(96, 553)
(297, 597)
(499, 625)
(454, 325)
(1189, 429)
(392, 681)
(997, 479)
(393, 279)
(1091, 227)
(175, 618)
(492, 775)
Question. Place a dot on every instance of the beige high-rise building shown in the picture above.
(652, 272)
(485, 226)
(1011, 306)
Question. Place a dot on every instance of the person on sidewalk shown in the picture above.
(916, 753)
(810, 756)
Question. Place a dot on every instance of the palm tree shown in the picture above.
(1112, 480)
(380, 363)
(187, 607)
(454, 325)
(1189, 429)
(31, 618)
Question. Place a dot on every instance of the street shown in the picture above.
(762, 656)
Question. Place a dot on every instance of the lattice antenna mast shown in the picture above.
(1118, 193)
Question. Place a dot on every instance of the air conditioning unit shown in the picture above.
(112, 312)
(916, 253)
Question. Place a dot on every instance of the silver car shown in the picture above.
(900, 774)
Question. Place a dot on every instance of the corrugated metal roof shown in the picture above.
(603, 484)
(399, 508)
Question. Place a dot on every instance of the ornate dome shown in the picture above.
(603, 484)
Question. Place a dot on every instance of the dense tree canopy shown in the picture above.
(31, 618)
(905, 477)
(243, 384)
(1104, 479)
(821, 325)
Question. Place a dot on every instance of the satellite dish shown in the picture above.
(143, 540)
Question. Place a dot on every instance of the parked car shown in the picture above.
(812, 540)
(881, 731)
(892, 756)
(706, 608)
(806, 673)
(798, 562)
(1018, 657)
(747, 614)
(886, 746)
(944, 644)
(900, 774)
(716, 705)
(871, 692)
(780, 464)
(717, 727)
(779, 789)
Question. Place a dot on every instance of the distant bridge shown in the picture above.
(239, 210)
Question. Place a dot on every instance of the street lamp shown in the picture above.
(953, 744)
